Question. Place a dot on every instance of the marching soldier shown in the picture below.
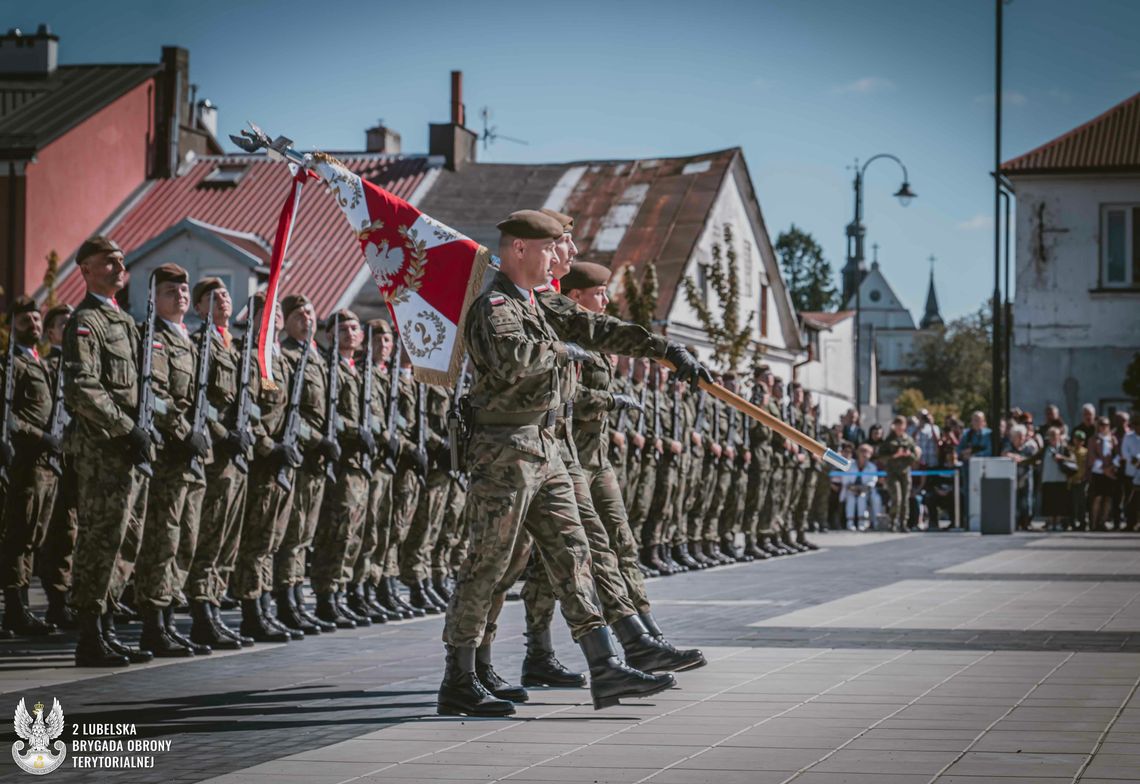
(758, 523)
(772, 512)
(809, 471)
(650, 425)
(899, 452)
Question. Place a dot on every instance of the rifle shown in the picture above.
(699, 423)
(245, 397)
(657, 407)
(293, 421)
(9, 397)
(57, 421)
(455, 425)
(420, 457)
(144, 419)
(675, 431)
(622, 422)
(202, 386)
(641, 419)
(716, 430)
(393, 411)
(331, 416)
(367, 423)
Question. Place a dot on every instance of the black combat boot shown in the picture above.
(223, 629)
(803, 541)
(751, 549)
(432, 596)
(177, 636)
(462, 694)
(58, 612)
(651, 561)
(288, 616)
(771, 544)
(253, 624)
(394, 590)
(790, 543)
(542, 668)
(134, 655)
(419, 599)
(491, 680)
(672, 556)
(610, 677)
(355, 600)
(92, 650)
(373, 603)
(303, 611)
(18, 619)
(203, 630)
(697, 553)
(155, 639)
(387, 600)
(692, 657)
(327, 611)
(645, 652)
(269, 614)
(440, 586)
(343, 608)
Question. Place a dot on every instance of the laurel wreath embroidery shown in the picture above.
(413, 278)
(431, 344)
(350, 182)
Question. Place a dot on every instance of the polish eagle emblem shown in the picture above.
(38, 734)
(385, 261)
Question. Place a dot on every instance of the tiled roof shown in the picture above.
(36, 111)
(324, 256)
(823, 320)
(1108, 143)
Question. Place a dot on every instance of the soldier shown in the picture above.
(899, 452)
(100, 347)
(174, 502)
(757, 527)
(699, 486)
(309, 480)
(635, 435)
(518, 478)
(772, 512)
(809, 471)
(819, 513)
(736, 498)
(32, 482)
(650, 426)
(53, 562)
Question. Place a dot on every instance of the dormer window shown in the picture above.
(225, 174)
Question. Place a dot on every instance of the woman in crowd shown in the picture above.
(1053, 420)
(1022, 451)
(1057, 466)
(1079, 482)
(1104, 455)
(875, 437)
(860, 503)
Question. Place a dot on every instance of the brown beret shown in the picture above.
(292, 302)
(336, 317)
(96, 244)
(22, 304)
(531, 225)
(381, 325)
(584, 275)
(57, 311)
(204, 287)
(566, 221)
(170, 273)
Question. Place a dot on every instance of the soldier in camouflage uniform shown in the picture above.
(819, 513)
(898, 453)
(451, 547)
(702, 475)
(635, 451)
(32, 482)
(772, 520)
(757, 530)
(650, 424)
(737, 496)
(100, 348)
(724, 450)
(809, 472)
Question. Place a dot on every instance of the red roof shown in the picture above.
(324, 256)
(1108, 143)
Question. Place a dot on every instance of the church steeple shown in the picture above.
(931, 318)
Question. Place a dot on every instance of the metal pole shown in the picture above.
(857, 258)
(1008, 348)
(995, 389)
(957, 498)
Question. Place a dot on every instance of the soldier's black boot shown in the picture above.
(177, 636)
(803, 541)
(204, 631)
(394, 590)
(691, 658)
(303, 611)
(386, 599)
(790, 543)
(253, 624)
(134, 655)
(372, 599)
(673, 557)
(269, 614)
(462, 694)
(58, 612)
(542, 668)
(355, 600)
(439, 585)
(224, 630)
(327, 612)
(610, 677)
(155, 639)
(697, 553)
(343, 608)
(754, 551)
(645, 652)
(771, 544)
(432, 596)
(19, 619)
(419, 599)
(492, 681)
(288, 616)
(92, 650)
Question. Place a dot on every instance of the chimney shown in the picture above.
(208, 117)
(29, 55)
(381, 139)
(172, 109)
(453, 140)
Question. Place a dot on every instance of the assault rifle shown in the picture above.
(245, 396)
(455, 428)
(699, 423)
(715, 432)
(420, 456)
(392, 458)
(9, 397)
(332, 419)
(144, 418)
(293, 423)
(622, 422)
(201, 388)
(367, 422)
(642, 418)
(57, 421)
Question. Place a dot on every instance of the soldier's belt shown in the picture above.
(517, 418)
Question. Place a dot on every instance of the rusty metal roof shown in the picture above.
(324, 256)
(1107, 143)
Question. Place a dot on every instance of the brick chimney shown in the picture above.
(29, 55)
(453, 140)
(382, 139)
(172, 109)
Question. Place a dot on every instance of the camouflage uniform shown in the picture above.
(702, 473)
(53, 561)
(759, 479)
(427, 518)
(451, 546)
(635, 460)
(735, 501)
(660, 508)
(406, 490)
(898, 475)
(378, 523)
(808, 473)
(772, 511)
(820, 512)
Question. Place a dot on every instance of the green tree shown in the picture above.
(729, 334)
(806, 272)
(952, 362)
(639, 298)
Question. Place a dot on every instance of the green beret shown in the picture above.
(380, 326)
(56, 312)
(584, 275)
(566, 221)
(204, 287)
(96, 244)
(170, 273)
(336, 317)
(531, 225)
(22, 304)
(292, 302)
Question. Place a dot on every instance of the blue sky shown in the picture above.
(803, 86)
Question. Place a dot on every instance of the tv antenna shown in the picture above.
(490, 132)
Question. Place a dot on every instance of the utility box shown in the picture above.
(991, 484)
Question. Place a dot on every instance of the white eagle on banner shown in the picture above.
(385, 261)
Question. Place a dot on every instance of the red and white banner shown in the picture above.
(427, 273)
(267, 338)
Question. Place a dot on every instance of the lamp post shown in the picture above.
(853, 270)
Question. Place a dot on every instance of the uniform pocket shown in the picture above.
(120, 370)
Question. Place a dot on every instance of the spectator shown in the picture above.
(1053, 419)
(939, 495)
(851, 430)
(1021, 450)
(1079, 482)
(975, 441)
(1103, 459)
(1057, 466)
(927, 435)
(1087, 427)
(861, 504)
(1130, 457)
(952, 431)
(875, 438)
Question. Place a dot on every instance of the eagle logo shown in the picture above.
(385, 261)
(38, 759)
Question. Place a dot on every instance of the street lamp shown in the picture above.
(853, 271)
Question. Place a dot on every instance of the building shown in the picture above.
(829, 370)
(1076, 314)
(78, 139)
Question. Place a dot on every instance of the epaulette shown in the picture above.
(497, 300)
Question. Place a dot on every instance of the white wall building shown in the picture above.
(829, 370)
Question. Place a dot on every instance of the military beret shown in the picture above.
(292, 302)
(760, 370)
(204, 287)
(531, 225)
(96, 244)
(381, 325)
(170, 273)
(57, 311)
(584, 275)
(566, 221)
(691, 349)
(22, 304)
(336, 317)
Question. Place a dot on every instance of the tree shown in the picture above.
(640, 298)
(952, 362)
(729, 336)
(806, 272)
(910, 401)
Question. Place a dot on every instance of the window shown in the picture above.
(1120, 252)
(225, 174)
(763, 311)
(747, 268)
(703, 280)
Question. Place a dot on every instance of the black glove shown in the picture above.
(50, 442)
(368, 441)
(139, 442)
(329, 449)
(286, 455)
(197, 444)
(689, 368)
(237, 442)
(622, 400)
(575, 353)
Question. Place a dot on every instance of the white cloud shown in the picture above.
(980, 222)
(1008, 97)
(866, 85)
